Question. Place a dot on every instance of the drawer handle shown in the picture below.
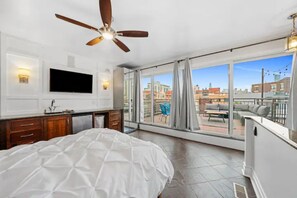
(29, 135)
(24, 125)
(115, 123)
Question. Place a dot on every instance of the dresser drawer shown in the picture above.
(25, 124)
(25, 137)
(115, 125)
(115, 116)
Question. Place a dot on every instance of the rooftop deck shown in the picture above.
(214, 125)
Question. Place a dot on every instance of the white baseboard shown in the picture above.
(249, 172)
(131, 124)
(208, 139)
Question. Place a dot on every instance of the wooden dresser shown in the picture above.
(17, 131)
(23, 131)
(115, 120)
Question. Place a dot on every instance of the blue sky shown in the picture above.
(248, 73)
(245, 74)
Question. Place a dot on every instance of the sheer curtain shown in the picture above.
(188, 118)
(291, 121)
(176, 97)
(137, 114)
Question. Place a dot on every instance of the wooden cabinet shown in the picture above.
(23, 131)
(18, 131)
(115, 120)
(3, 135)
(56, 126)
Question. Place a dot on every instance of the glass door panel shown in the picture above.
(212, 98)
(256, 97)
(162, 98)
(147, 99)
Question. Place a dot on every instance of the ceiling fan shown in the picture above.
(106, 32)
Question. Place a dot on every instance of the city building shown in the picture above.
(281, 87)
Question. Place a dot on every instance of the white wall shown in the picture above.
(34, 97)
(270, 162)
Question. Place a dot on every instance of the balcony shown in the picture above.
(218, 124)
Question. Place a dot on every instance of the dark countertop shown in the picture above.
(12, 117)
(280, 131)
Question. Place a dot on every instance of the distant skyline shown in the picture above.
(245, 73)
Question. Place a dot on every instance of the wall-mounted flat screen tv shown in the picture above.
(72, 82)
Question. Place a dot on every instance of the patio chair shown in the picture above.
(165, 111)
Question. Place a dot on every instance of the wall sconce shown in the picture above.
(105, 85)
(23, 74)
(291, 41)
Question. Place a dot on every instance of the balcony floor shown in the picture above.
(214, 125)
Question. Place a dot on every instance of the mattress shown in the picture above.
(93, 163)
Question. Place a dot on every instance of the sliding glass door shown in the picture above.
(224, 94)
(156, 92)
(212, 98)
(147, 89)
(162, 98)
(261, 88)
(128, 96)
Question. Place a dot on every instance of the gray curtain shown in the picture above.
(188, 118)
(175, 109)
(291, 121)
(137, 98)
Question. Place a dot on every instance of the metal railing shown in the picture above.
(277, 113)
(147, 106)
(278, 106)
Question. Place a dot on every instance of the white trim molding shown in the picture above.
(197, 137)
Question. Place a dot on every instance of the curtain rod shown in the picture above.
(213, 53)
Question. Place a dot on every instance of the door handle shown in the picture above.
(29, 135)
(24, 125)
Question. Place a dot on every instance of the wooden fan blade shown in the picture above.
(133, 33)
(106, 13)
(95, 41)
(121, 45)
(76, 22)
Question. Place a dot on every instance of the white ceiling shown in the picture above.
(176, 28)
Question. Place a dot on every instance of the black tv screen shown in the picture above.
(66, 81)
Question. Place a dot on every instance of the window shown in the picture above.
(128, 96)
(162, 98)
(282, 86)
(146, 82)
(273, 87)
(157, 91)
(247, 76)
(261, 83)
(212, 98)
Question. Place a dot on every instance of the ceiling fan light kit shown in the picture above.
(106, 32)
(291, 41)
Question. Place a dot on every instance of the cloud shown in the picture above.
(247, 69)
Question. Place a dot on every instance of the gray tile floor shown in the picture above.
(201, 170)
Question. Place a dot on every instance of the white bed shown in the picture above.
(93, 163)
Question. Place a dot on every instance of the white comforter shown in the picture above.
(94, 163)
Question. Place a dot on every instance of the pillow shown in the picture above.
(263, 111)
(251, 107)
(224, 107)
(241, 107)
(255, 109)
(212, 107)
